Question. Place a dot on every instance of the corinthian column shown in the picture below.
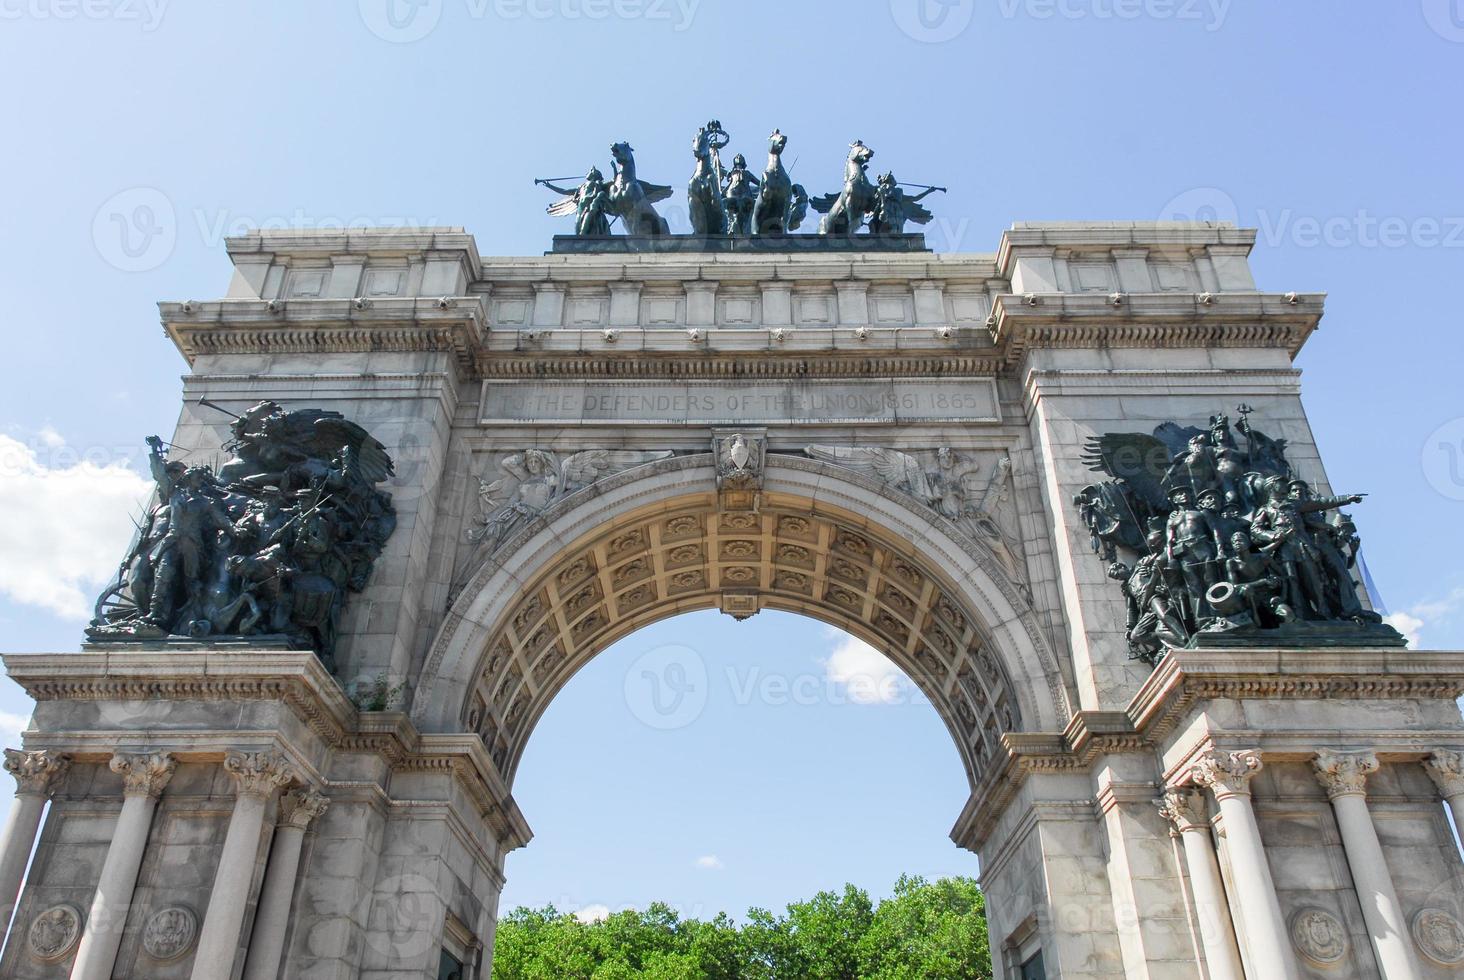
(1185, 808)
(35, 774)
(1446, 768)
(273, 916)
(257, 776)
(143, 779)
(1228, 776)
(1344, 776)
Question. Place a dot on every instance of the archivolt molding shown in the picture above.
(651, 542)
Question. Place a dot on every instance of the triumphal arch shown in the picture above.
(1068, 486)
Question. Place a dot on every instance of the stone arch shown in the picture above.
(651, 543)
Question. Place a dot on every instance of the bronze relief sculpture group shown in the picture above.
(1225, 543)
(266, 546)
(723, 201)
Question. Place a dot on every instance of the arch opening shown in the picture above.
(772, 765)
(607, 565)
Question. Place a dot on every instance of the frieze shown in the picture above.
(883, 401)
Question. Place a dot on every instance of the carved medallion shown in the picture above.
(170, 932)
(54, 933)
(679, 526)
(1319, 936)
(1440, 936)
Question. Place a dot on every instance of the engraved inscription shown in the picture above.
(713, 402)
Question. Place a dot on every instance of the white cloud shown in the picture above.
(1407, 625)
(50, 438)
(864, 674)
(64, 528)
(11, 725)
(1412, 621)
(593, 913)
(710, 862)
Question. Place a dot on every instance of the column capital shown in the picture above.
(1344, 773)
(1446, 768)
(1184, 808)
(301, 806)
(1226, 773)
(144, 774)
(35, 772)
(259, 774)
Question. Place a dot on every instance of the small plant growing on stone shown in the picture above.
(378, 694)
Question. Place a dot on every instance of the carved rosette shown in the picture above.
(35, 772)
(301, 806)
(1226, 774)
(1446, 768)
(259, 774)
(1184, 808)
(144, 774)
(1344, 773)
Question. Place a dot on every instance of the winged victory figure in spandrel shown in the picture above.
(897, 470)
(535, 479)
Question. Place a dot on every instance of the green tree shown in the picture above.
(928, 931)
(925, 931)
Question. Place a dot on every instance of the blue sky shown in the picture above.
(140, 133)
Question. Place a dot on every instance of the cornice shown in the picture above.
(1183, 679)
(751, 365)
(293, 678)
(1153, 320)
(373, 241)
(449, 324)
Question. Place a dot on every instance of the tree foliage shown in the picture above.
(925, 931)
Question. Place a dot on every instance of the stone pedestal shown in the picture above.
(236, 725)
